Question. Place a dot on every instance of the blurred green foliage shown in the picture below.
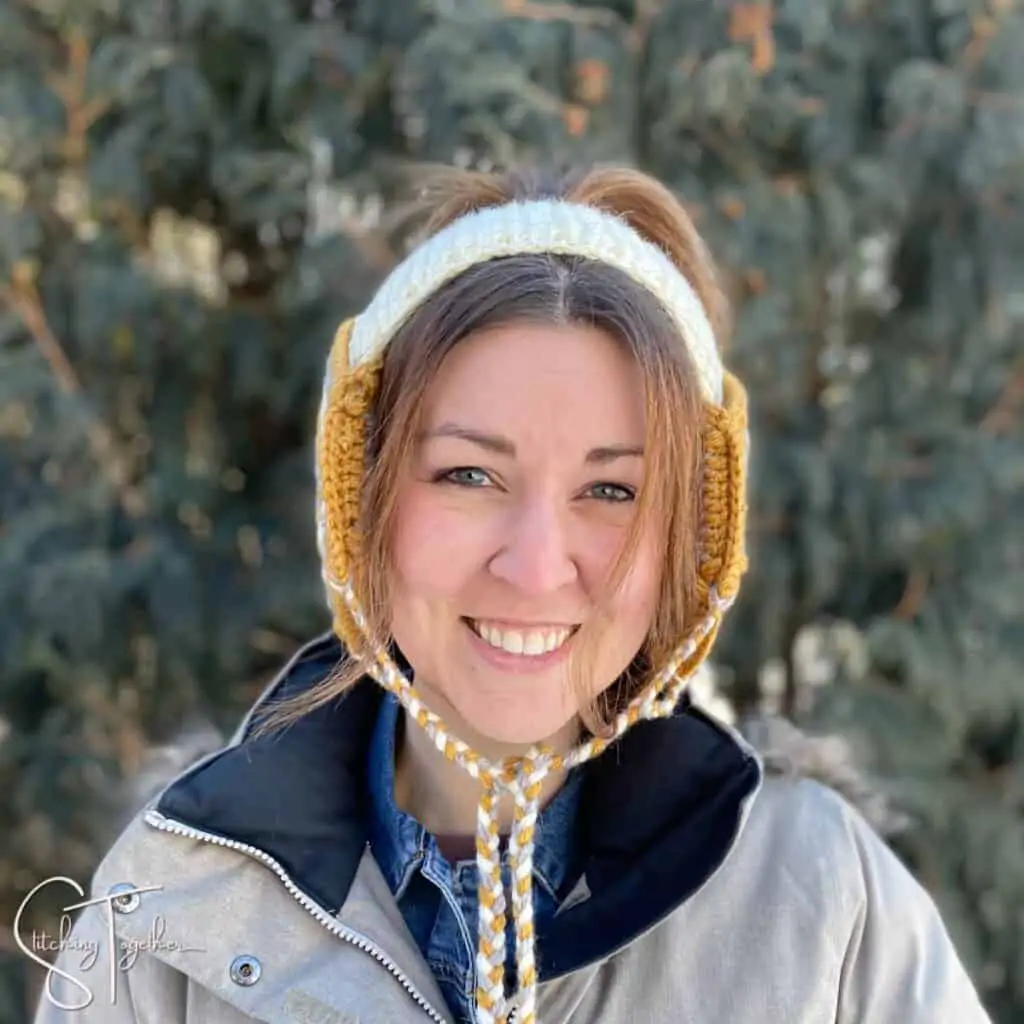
(194, 192)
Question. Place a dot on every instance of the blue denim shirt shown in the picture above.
(438, 900)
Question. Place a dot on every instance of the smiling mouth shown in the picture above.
(527, 642)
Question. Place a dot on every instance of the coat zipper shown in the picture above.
(165, 824)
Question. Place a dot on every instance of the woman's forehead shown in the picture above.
(573, 378)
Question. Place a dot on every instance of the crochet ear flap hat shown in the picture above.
(350, 385)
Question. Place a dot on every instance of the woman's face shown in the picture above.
(517, 500)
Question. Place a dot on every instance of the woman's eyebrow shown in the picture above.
(503, 446)
(611, 452)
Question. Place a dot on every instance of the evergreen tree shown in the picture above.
(194, 192)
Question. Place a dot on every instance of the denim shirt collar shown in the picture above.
(401, 843)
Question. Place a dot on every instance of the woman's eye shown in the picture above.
(614, 492)
(466, 476)
(474, 477)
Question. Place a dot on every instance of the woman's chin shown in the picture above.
(501, 729)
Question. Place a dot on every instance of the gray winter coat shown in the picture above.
(715, 889)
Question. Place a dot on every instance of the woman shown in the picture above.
(493, 799)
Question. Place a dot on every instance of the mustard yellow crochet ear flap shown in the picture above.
(724, 503)
(341, 465)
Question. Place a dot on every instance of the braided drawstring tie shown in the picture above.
(490, 955)
(522, 779)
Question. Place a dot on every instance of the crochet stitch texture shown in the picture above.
(350, 385)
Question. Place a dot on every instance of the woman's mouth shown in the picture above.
(533, 642)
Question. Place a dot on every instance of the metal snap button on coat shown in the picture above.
(245, 970)
(126, 903)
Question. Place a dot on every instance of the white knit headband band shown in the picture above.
(538, 226)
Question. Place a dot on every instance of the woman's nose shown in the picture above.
(536, 556)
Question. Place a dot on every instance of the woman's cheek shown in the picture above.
(443, 540)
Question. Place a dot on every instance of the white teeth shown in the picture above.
(534, 641)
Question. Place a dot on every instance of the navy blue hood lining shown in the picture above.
(660, 809)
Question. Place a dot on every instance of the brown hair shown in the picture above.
(551, 289)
